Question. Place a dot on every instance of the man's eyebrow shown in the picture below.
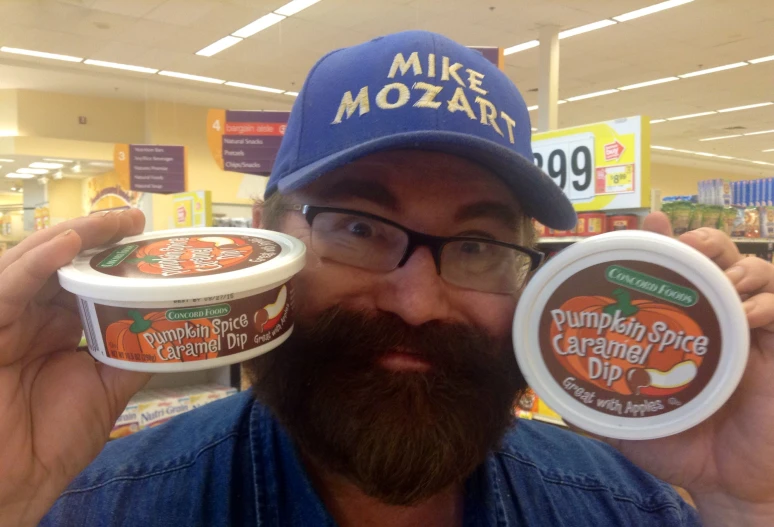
(495, 210)
(366, 190)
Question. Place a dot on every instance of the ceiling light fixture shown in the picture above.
(769, 150)
(291, 8)
(77, 168)
(186, 76)
(649, 83)
(713, 70)
(216, 47)
(58, 174)
(760, 162)
(561, 102)
(585, 29)
(726, 157)
(57, 160)
(105, 164)
(38, 164)
(40, 54)
(35, 171)
(118, 66)
(650, 10)
(690, 115)
(759, 133)
(656, 121)
(292, 93)
(258, 25)
(762, 59)
(7, 161)
(253, 87)
(748, 107)
(521, 47)
(14, 175)
(532, 108)
(721, 137)
(591, 95)
(661, 147)
(705, 154)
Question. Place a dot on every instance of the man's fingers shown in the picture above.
(657, 222)
(24, 278)
(713, 244)
(752, 275)
(760, 311)
(93, 230)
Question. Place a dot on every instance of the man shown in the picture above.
(406, 170)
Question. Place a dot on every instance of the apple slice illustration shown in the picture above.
(268, 317)
(649, 381)
(217, 241)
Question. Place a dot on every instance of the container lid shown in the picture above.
(631, 335)
(183, 264)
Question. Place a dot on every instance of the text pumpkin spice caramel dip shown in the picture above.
(631, 335)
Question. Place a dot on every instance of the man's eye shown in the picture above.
(472, 248)
(360, 229)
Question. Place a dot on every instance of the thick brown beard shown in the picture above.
(401, 437)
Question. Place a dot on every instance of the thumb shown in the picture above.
(657, 222)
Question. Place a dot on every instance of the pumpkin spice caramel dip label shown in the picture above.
(630, 339)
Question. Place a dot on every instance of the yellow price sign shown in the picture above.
(617, 179)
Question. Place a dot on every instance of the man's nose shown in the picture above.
(415, 291)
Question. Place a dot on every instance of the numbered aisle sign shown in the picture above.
(158, 169)
(601, 166)
(245, 141)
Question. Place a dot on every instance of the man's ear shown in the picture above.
(257, 214)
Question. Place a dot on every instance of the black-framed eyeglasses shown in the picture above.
(371, 242)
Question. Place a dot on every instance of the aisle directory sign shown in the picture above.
(158, 169)
(601, 166)
(245, 141)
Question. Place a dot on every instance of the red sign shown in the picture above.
(614, 151)
(255, 129)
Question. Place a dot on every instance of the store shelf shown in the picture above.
(757, 241)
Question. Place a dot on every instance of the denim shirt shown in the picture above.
(230, 463)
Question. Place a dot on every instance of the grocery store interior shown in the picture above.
(636, 105)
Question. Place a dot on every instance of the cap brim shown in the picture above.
(540, 197)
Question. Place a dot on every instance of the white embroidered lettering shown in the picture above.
(348, 105)
(403, 96)
(488, 114)
(431, 65)
(451, 71)
(474, 81)
(511, 123)
(399, 63)
(428, 99)
(459, 102)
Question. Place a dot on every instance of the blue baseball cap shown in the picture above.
(415, 90)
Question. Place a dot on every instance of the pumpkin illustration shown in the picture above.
(669, 364)
(223, 252)
(138, 338)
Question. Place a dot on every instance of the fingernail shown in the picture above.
(735, 274)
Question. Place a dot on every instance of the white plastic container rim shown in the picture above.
(79, 277)
(645, 247)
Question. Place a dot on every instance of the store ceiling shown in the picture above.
(166, 34)
(71, 168)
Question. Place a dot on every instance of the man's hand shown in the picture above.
(57, 406)
(726, 462)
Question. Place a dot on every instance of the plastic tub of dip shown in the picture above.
(186, 299)
(631, 335)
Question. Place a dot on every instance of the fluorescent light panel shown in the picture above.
(713, 70)
(661, 147)
(186, 76)
(292, 93)
(721, 137)
(759, 133)
(762, 59)
(650, 10)
(585, 29)
(253, 87)
(291, 8)
(258, 25)
(591, 95)
(41, 54)
(649, 83)
(748, 107)
(521, 47)
(656, 121)
(216, 47)
(690, 116)
(14, 175)
(36, 171)
(532, 108)
(118, 66)
(726, 157)
(769, 150)
(7, 161)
